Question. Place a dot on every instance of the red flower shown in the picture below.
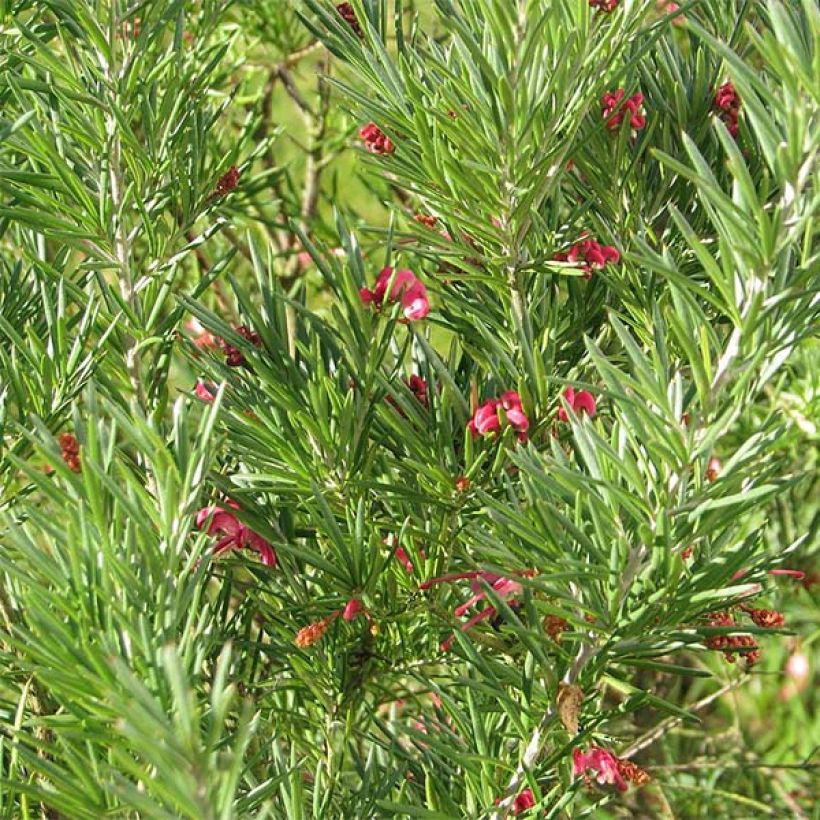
(613, 110)
(604, 5)
(375, 140)
(227, 182)
(235, 534)
(581, 402)
(589, 255)
(727, 103)
(70, 451)
(404, 559)
(204, 391)
(487, 418)
(600, 761)
(523, 802)
(504, 587)
(233, 355)
(405, 287)
(428, 220)
(347, 13)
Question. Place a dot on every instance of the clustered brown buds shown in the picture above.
(463, 484)
(375, 140)
(554, 626)
(428, 220)
(765, 618)
(633, 773)
(313, 633)
(732, 644)
(227, 182)
(70, 451)
(347, 13)
(233, 355)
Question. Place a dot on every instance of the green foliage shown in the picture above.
(147, 672)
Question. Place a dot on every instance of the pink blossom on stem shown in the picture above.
(206, 392)
(235, 534)
(405, 287)
(603, 763)
(581, 402)
(487, 418)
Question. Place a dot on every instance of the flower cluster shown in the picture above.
(604, 5)
(731, 644)
(589, 255)
(70, 448)
(614, 109)
(375, 140)
(235, 534)
(581, 402)
(313, 633)
(555, 626)
(504, 587)
(405, 287)
(727, 104)
(428, 220)
(488, 417)
(227, 182)
(609, 769)
(233, 355)
(347, 13)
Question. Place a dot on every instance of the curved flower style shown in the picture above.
(235, 534)
(487, 418)
(581, 402)
(405, 287)
(504, 587)
(613, 110)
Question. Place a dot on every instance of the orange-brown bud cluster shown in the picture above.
(70, 451)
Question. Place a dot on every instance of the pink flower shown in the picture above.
(613, 110)
(404, 559)
(670, 7)
(405, 287)
(589, 255)
(504, 587)
(487, 417)
(204, 391)
(580, 402)
(375, 140)
(235, 534)
(352, 608)
(523, 802)
(600, 761)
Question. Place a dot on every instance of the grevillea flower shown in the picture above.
(609, 769)
(614, 110)
(555, 626)
(347, 13)
(405, 287)
(729, 645)
(765, 618)
(312, 633)
(227, 182)
(70, 451)
(523, 802)
(428, 220)
(504, 587)
(404, 559)
(604, 5)
(603, 763)
(670, 7)
(375, 140)
(233, 355)
(487, 418)
(589, 255)
(727, 104)
(581, 402)
(418, 387)
(203, 339)
(205, 392)
(235, 534)
(713, 469)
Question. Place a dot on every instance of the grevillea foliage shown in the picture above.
(407, 408)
